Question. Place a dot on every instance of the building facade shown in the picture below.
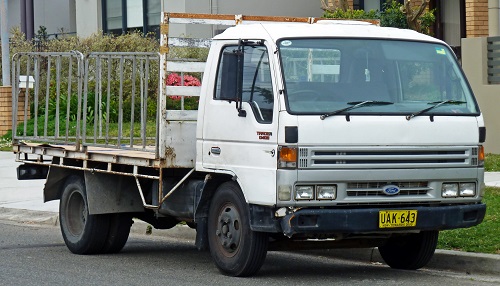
(455, 19)
(57, 16)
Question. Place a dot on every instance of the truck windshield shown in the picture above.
(324, 75)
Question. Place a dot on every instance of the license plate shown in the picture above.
(399, 218)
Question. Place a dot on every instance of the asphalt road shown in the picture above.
(36, 255)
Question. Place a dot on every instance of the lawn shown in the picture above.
(481, 238)
(492, 163)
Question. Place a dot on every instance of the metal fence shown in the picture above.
(117, 90)
(494, 60)
(100, 99)
(48, 82)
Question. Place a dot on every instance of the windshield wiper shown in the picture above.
(436, 104)
(356, 105)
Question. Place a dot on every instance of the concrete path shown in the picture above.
(22, 201)
(21, 194)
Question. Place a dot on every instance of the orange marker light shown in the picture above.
(288, 154)
(480, 155)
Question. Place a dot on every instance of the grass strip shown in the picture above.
(492, 163)
(484, 237)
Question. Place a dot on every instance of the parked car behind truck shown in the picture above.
(309, 134)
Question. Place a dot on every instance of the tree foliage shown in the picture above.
(394, 14)
(407, 17)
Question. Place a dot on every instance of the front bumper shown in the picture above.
(317, 221)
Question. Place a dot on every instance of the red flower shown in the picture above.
(174, 79)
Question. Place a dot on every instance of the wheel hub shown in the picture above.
(228, 229)
(76, 212)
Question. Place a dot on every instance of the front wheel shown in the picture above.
(410, 252)
(235, 248)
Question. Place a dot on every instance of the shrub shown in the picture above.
(393, 16)
(351, 14)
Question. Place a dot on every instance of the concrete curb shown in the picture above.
(456, 261)
(463, 262)
(29, 216)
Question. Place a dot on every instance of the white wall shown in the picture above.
(494, 17)
(176, 6)
(53, 14)
(475, 66)
(14, 13)
(452, 35)
(88, 17)
(296, 8)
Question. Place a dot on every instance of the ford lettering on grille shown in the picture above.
(390, 190)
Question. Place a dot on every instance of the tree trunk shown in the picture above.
(412, 16)
(332, 5)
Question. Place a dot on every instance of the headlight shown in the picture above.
(449, 190)
(304, 192)
(467, 189)
(326, 192)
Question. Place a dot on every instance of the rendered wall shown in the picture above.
(55, 15)
(474, 63)
(88, 17)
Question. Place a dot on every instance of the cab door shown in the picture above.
(240, 123)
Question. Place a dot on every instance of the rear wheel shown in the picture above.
(410, 252)
(235, 248)
(119, 230)
(83, 233)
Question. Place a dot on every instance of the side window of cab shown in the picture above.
(255, 78)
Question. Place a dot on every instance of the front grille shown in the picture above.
(387, 157)
(374, 189)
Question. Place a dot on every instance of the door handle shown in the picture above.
(215, 150)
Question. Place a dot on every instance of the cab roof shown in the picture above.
(322, 29)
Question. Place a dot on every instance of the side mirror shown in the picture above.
(232, 76)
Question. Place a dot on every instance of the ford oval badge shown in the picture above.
(390, 190)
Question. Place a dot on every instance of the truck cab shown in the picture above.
(343, 130)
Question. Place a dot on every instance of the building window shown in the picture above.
(121, 16)
(358, 4)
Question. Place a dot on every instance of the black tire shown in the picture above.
(82, 233)
(235, 248)
(119, 230)
(410, 252)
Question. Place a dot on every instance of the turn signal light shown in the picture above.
(480, 155)
(288, 157)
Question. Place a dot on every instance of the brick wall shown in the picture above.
(6, 109)
(476, 15)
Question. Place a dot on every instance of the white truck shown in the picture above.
(309, 134)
